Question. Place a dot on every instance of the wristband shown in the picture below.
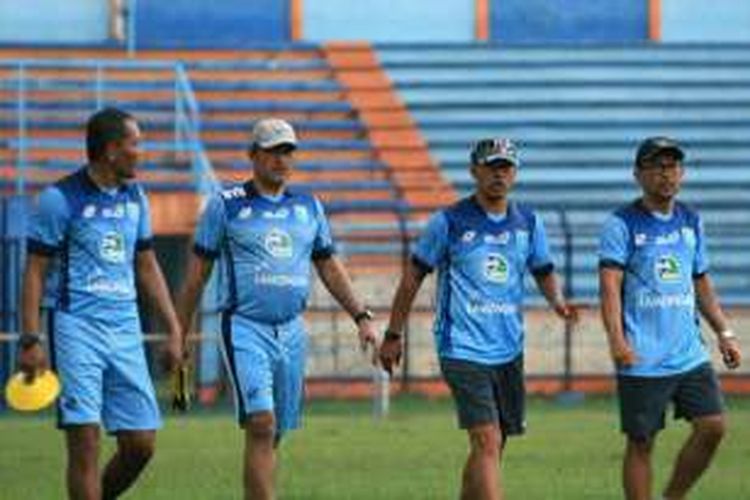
(727, 335)
(391, 335)
(365, 314)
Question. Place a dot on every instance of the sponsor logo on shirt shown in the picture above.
(116, 212)
(99, 284)
(278, 243)
(491, 308)
(640, 239)
(282, 280)
(112, 248)
(497, 239)
(235, 192)
(281, 213)
(651, 301)
(468, 236)
(496, 268)
(667, 268)
(89, 211)
(245, 213)
(668, 239)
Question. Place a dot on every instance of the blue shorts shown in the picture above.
(103, 370)
(267, 366)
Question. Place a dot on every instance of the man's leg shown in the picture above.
(82, 442)
(636, 469)
(696, 455)
(134, 450)
(481, 474)
(260, 456)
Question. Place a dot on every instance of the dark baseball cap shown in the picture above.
(494, 151)
(652, 146)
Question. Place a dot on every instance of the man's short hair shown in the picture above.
(103, 127)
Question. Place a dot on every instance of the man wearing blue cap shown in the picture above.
(654, 281)
(266, 235)
(482, 247)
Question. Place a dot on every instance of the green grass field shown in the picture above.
(569, 452)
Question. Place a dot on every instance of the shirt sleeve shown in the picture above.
(701, 261)
(539, 259)
(210, 230)
(323, 246)
(432, 245)
(613, 243)
(145, 239)
(48, 222)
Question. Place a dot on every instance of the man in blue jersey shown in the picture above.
(89, 240)
(482, 247)
(654, 280)
(266, 236)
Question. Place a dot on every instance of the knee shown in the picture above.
(261, 427)
(485, 441)
(641, 446)
(137, 451)
(710, 429)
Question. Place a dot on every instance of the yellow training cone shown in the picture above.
(39, 393)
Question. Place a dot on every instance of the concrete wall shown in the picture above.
(705, 21)
(54, 21)
(388, 20)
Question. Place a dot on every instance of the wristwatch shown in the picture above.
(365, 314)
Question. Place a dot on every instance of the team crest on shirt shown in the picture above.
(688, 236)
(667, 268)
(300, 213)
(278, 243)
(496, 268)
(112, 248)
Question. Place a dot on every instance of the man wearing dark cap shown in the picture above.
(266, 235)
(482, 247)
(654, 280)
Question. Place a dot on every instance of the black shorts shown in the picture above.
(486, 394)
(643, 400)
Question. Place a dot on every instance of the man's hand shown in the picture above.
(367, 337)
(174, 352)
(390, 351)
(623, 355)
(31, 359)
(567, 312)
(730, 351)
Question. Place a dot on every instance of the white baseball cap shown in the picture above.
(270, 132)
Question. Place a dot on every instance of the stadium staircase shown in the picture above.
(578, 113)
(359, 151)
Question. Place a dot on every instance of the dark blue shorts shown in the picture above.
(486, 394)
(643, 400)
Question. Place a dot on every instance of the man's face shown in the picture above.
(494, 181)
(273, 165)
(125, 153)
(660, 176)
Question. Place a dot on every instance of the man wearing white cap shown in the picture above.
(265, 236)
